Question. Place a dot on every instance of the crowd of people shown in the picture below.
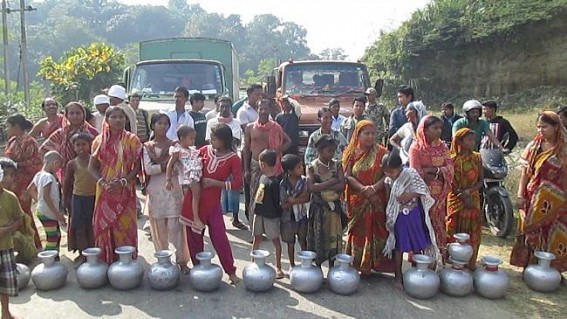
(394, 182)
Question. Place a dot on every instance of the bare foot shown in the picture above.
(398, 284)
(184, 269)
(233, 279)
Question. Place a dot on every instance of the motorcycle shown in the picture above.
(496, 204)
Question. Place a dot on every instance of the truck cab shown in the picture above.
(156, 80)
(313, 83)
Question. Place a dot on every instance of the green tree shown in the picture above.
(82, 72)
(333, 54)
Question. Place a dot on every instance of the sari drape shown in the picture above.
(468, 166)
(366, 233)
(435, 154)
(544, 226)
(114, 217)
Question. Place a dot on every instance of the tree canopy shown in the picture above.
(59, 25)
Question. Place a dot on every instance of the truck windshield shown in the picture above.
(325, 78)
(163, 78)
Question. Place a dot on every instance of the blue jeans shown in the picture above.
(230, 201)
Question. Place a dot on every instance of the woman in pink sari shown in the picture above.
(60, 140)
(115, 162)
(220, 161)
(430, 157)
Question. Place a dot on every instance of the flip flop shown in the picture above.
(280, 274)
(239, 225)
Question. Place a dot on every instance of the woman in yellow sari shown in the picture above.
(542, 195)
(463, 202)
(366, 200)
(114, 163)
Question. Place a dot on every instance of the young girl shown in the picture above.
(44, 188)
(326, 183)
(163, 206)
(294, 198)
(79, 191)
(190, 165)
(407, 214)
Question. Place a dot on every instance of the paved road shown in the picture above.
(376, 298)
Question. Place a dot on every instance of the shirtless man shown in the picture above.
(49, 124)
(260, 135)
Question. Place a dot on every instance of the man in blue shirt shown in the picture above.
(398, 117)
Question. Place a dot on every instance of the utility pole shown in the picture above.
(23, 46)
(5, 48)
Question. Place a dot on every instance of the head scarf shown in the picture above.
(421, 141)
(354, 141)
(559, 149)
(459, 135)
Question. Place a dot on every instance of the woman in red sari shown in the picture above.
(114, 163)
(49, 124)
(542, 195)
(23, 149)
(366, 200)
(220, 161)
(60, 140)
(430, 157)
(463, 202)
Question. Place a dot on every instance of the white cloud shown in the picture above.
(352, 25)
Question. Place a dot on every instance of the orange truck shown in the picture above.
(314, 83)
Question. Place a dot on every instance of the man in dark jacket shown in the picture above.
(449, 117)
(501, 128)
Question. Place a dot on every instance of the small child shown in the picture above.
(44, 189)
(407, 214)
(11, 215)
(267, 209)
(190, 165)
(79, 195)
(326, 182)
(294, 197)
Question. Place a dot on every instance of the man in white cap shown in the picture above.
(117, 95)
(101, 102)
(378, 114)
(178, 115)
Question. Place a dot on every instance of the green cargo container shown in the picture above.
(204, 65)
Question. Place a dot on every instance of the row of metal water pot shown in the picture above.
(127, 273)
(488, 281)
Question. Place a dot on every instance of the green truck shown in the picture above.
(204, 65)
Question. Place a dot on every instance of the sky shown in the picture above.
(352, 25)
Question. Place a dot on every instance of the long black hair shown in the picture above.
(224, 133)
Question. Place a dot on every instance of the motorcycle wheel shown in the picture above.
(499, 214)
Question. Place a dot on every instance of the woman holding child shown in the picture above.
(366, 200)
(220, 161)
(163, 206)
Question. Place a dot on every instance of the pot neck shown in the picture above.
(491, 268)
(125, 257)
(260, 261)
(48, 261)
(92, 259)
(422, 266)
(544, 262)
(164, 260)
(306, 262)
(458, 266)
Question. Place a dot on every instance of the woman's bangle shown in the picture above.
(438, 171)
(123, 182)
(100, 181)
(227, 185)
